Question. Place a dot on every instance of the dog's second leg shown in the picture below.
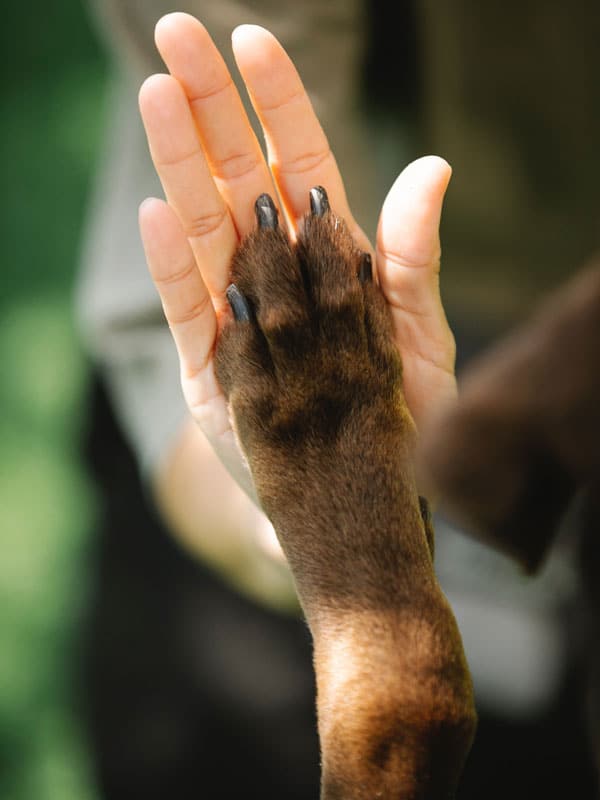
(509, 456)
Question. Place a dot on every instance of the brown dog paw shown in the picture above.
(314, 383)
(311, 341)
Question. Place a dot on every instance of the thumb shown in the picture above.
(408, 242)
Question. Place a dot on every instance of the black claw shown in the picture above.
(266, 213)
(365, 270)
(425, 510)
(319, 202)
(239, 304)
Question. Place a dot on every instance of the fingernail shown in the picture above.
(365, 270)
(239, 304)
(266, 213)
(319, 202)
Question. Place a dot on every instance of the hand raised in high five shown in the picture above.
(212, 170)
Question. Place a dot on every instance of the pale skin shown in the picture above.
(212, 170)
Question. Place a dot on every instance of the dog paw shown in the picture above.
(310, 345)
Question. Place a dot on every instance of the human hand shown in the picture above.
(212, 170)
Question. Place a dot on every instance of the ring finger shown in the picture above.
(298, 150)
(187, 180)
(230, 145)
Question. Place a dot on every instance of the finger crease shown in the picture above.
(181, 275)
(205, 224)
(198, 98)
(305, 163)
(235, 166)
(193, 313)
(433, 362)
(175, 162)
(292, 98)
(202, 403)
(191, 373)
(401, 260)
(405, 310)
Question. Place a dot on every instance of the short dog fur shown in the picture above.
(314, 383)
(522, 446)
(509, 456)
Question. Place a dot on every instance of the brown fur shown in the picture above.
(314, 384)
(524, 437)
(508, 458)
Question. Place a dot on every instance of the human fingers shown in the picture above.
(230, 145)
(187, 180)
(185, 298)
(298, 151)
(408, 255)
(408, 259)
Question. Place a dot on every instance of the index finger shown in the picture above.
(187, 180)
(298, 150)
(229, 143)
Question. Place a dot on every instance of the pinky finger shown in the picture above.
(185, 299)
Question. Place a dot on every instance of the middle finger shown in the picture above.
(230, 145)
(187, 180)
(299, 153)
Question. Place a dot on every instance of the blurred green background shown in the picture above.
(52, 117)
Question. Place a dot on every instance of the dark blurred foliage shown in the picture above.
(52, 100)
(51, 112)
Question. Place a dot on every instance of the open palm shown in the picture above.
(212, 170)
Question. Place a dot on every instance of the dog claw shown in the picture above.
(319, 202)
(425, 509)
(365, 270)
(239, 304)
(266, 213)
